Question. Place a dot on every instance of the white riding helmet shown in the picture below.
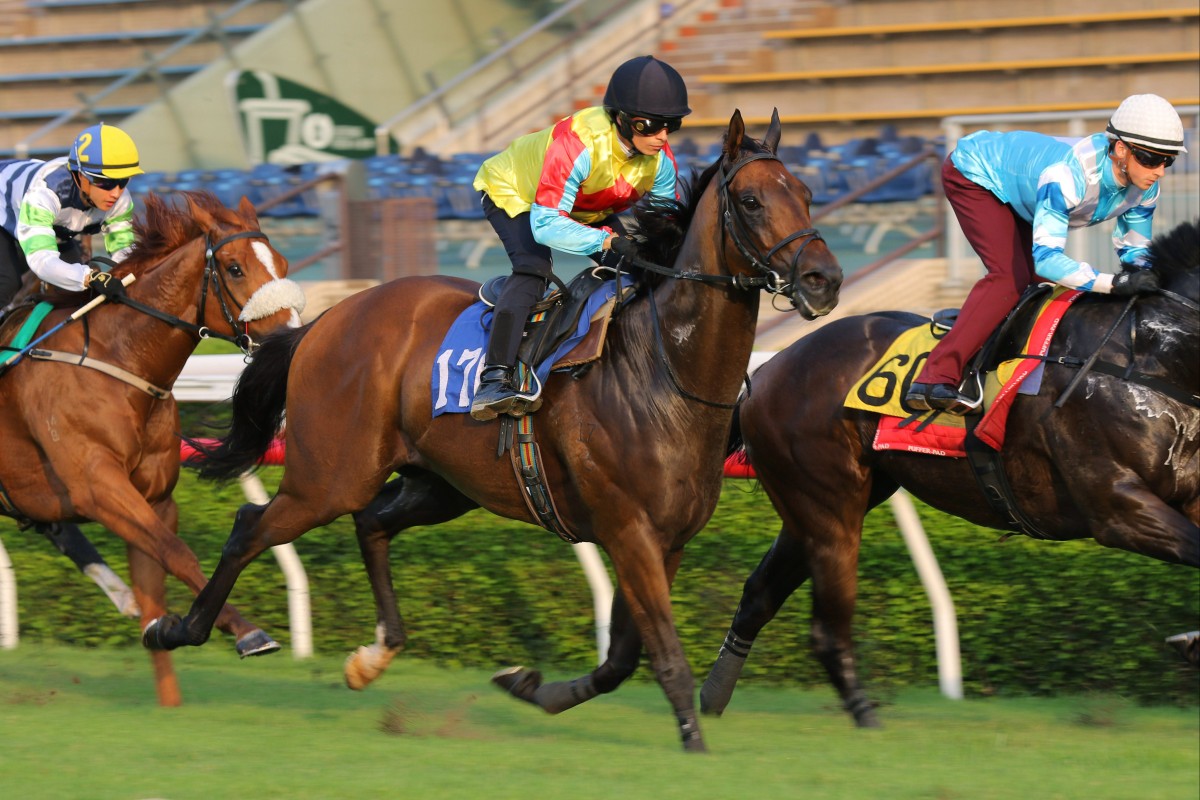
(1148, 121)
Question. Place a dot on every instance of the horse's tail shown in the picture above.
(258, 404)
(736, 445)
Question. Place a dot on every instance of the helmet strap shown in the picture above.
(77, 177)
(624, 127)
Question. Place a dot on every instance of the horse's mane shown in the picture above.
(662, 224)
(1177, 252)
(164, 225)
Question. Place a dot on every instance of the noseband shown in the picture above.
(736, 228)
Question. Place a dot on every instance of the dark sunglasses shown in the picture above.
(108, 184)
(644, 126)
(1149, 159)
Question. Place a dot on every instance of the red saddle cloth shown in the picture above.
(941, 434)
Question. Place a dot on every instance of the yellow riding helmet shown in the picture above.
(104, 151)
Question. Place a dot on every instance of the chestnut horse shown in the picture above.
(88, 424)
(357, 388)
(1118, 462)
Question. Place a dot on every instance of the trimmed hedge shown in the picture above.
(1034, 617)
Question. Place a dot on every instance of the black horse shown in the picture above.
(1119, 461)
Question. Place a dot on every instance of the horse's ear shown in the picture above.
(774, 130)
(246, 209)
(200, 214)
(733, 136)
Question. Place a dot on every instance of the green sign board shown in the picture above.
(284, 122)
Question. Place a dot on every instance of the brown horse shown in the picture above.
(93, 435)
(357, 389)
(1118, 462)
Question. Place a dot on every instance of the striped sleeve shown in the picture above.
(1056, 196)
(118, 228)
(35, 233)
(1134, 229)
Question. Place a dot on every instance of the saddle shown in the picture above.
(1005, 342)
(555, 318)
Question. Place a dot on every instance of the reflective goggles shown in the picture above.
(648, 126)
(1148, 158)
(107, 184)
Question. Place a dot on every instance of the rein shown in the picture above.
(220, 289)
(768, 279)
(1127, 373)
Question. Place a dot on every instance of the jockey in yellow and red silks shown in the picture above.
(561, 189)
(573, 175)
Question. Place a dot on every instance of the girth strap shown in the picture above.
(100, 366)
(989, 473)
(527, 461)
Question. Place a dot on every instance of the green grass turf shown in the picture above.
(83, 723)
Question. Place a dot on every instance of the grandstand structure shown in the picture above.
(862, 86)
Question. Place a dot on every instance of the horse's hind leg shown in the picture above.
(630, 617)
(149, 581)
(249, 639)
(71, 542)
(782, 570)
(415, 498)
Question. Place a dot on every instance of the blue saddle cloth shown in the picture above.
(460, 357)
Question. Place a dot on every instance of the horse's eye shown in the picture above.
(750, 203)
(234, 269)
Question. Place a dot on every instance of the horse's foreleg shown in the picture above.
(149, 581)
(417, 498)
(624, 650)
(782, 570)
(835, 594)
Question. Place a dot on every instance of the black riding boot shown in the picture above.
(498, 392)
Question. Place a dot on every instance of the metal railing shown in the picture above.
(214, 29)
(470, 92)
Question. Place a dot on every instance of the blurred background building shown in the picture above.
(356, 126)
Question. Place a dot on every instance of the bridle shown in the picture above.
(229, 306)
(736, 228)
(767, 278)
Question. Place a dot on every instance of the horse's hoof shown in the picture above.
(154, 636)
(256, 643)
(520, 682)
(1187, 645)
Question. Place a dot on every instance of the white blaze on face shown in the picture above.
(263, 251)
(274, 295)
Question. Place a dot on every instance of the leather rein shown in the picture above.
(213, 277)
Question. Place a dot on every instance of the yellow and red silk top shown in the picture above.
(571, 175)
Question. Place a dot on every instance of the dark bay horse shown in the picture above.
(356, 383)
(1118, 462)
(88, 425)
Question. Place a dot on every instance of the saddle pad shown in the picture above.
(881, 390)
(30, 325)
(460, 358)
(942, 434)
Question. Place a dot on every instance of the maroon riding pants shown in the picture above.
(1005, 243)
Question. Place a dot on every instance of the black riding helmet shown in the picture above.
(645, 87)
